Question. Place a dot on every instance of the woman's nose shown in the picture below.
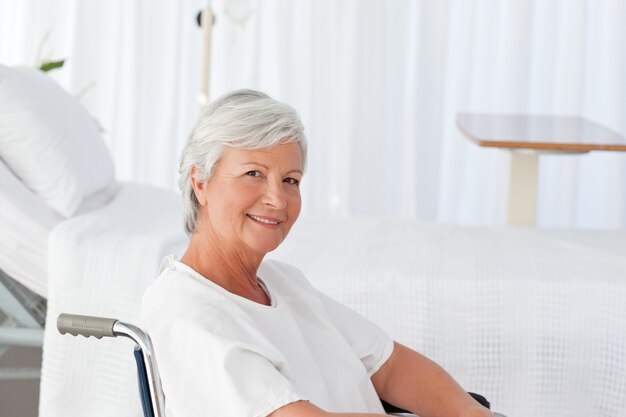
(275, 196)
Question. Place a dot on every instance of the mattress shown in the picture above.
(26, 222)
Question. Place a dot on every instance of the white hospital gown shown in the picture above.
(221, 354)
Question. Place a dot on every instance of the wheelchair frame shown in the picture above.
(150, 391)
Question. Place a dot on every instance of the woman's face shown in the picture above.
(253, 197)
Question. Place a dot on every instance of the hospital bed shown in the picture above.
(69, 233)
(533, 319)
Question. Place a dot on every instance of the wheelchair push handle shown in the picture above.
(87, 326)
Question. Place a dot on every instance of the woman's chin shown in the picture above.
(265, 246)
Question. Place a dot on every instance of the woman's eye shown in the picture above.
(253, 173)
(291, 181)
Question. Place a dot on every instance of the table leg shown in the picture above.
(522, 202)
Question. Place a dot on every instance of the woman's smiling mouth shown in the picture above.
(264, 220)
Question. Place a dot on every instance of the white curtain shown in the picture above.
(377, 83)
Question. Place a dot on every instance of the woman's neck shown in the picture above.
(233, 270)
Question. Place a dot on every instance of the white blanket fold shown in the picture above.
(100, 264)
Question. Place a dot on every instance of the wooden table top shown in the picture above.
(548, 133)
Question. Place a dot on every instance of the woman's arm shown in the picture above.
(413, 382)
(410, 381)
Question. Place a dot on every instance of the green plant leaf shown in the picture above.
(51, 65)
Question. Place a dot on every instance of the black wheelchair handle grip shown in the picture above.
(87, 326)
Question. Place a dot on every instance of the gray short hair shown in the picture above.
(245, 119)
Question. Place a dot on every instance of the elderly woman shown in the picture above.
(239, 336)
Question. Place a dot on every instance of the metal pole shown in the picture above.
(205, 64)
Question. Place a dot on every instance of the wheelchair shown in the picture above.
(150, 391)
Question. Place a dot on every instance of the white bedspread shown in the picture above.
(534, 320)
(100, 264)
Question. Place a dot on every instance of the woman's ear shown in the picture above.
(199, 187)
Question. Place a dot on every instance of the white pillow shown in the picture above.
(49, 141)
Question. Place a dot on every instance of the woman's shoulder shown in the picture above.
(176, 293)
(175, 279)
